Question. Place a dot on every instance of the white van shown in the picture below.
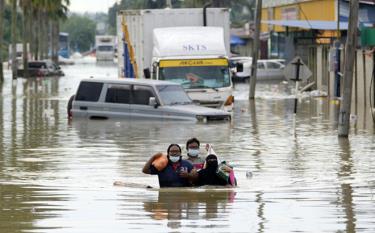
(138, 99)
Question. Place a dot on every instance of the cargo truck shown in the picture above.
(187, 46)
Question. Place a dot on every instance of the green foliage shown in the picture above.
(81, 32)
(241, 10)
(7, 22)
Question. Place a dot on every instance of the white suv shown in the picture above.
(139, 99)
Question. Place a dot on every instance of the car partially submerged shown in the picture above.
(41, 69)
(138, 99)
(268, 69)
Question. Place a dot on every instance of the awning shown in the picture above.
(310, 24)
(235, 40)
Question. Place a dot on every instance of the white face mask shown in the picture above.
(193, 152)
(174, 159)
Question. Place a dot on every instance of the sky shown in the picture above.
(90, 5)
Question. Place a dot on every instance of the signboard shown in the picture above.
(290, 70)
(194, 62)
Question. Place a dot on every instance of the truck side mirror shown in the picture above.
(147, 73)
(239, 67)
(152, 102)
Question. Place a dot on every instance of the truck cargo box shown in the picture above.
(140, 24)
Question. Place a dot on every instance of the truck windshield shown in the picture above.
(195, 77)
(105, 48)
(173, 94)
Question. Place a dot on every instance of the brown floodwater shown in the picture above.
(294, 173)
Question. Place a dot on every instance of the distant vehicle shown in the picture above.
(137, 99)
(41, 69)
(64, 48)
(268, 69)
(282, 61)
(105, 47)
(244, 74)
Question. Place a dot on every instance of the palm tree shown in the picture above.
(1, 41)
(48, 14)
(58, 11)
(26, 8)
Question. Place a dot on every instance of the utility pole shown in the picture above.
(337, 44)
(14, 39)
(350, 51)
(253, 76)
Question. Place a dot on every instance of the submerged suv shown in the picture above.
(137, 99)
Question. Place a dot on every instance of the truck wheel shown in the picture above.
(70, 105)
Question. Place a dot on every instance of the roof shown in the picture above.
(308, 24)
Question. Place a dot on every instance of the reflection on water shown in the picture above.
(181, 204)
(57, 176)
(22, 207)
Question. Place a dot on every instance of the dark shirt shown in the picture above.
(209, 177)
(170, 177)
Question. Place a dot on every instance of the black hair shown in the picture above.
(169, 147)
(192, 140)
(211, 156)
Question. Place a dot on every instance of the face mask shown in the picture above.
(174, 159)
(193, 152)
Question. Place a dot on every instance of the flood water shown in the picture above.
(294, 173)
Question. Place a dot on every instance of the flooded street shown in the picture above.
(294, 173)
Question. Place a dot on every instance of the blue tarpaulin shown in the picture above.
(235, 40)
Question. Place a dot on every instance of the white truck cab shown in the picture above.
(105, 47)
(194, 57)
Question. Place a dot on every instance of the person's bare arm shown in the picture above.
(192, 176)
(146, 167)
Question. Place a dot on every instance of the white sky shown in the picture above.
(90, 5)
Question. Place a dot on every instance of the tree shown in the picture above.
(25, 5)
(81, 32)
(1, 41)
(46, 15)
(57, 12)
(241, 12)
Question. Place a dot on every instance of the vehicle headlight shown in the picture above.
(201, 118)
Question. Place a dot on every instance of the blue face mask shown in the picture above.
(193, 152)
(174, 159)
